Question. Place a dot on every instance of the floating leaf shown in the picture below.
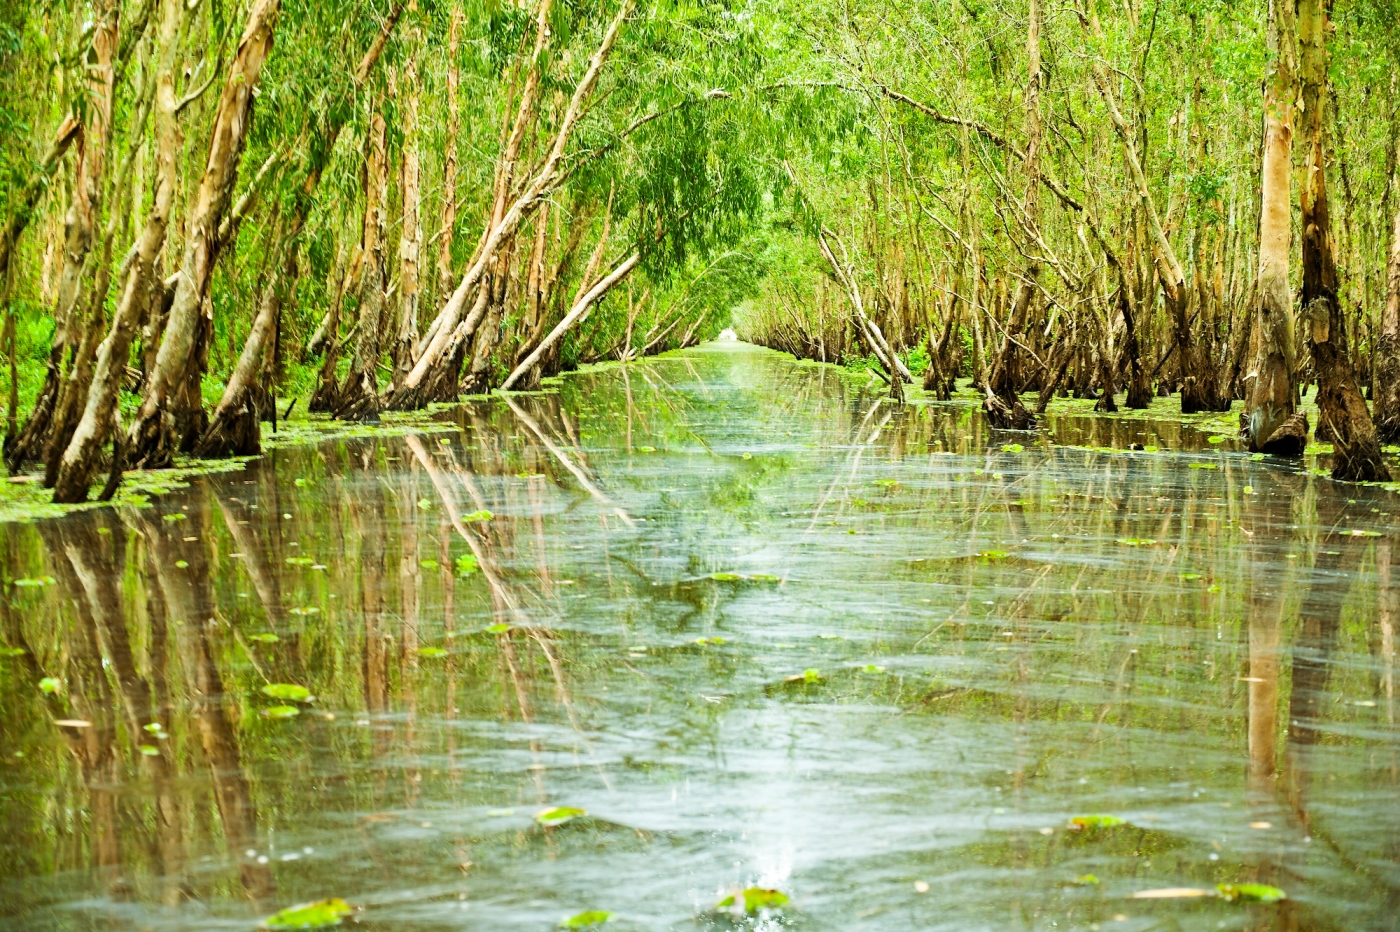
(288, 691)
(586, 920)
(320, 915)
(306, 610)
(754, 900)
(498, 628)
(177, 516)
(264, 638)
(1085, 880)
(424, 504)
(748, 456)
(1215, 439)
(1204, 466)
(558, 816)
(703, 641)
(646, 449)
(1171, 893)
(154, 728)
(764, 578)
(281, 711)
(431, 652)
(726, 577)
(872, 668)
(809, 676)
(467, 565)
(1012, 448)
(149, 750)
(482, 515)
(1136, 541)
(993, 554)
(300, 561)
(1187, 577)
(50, 686)
(35, 581)
(1080, 823)
(1363, 533)
(1251, 892)
(182, 564)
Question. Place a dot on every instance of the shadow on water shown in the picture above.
(761, 627)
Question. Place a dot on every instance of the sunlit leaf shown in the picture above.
(753, 901)
(264, 638)
(321, 915)
(586, 920)
(498, 628)
(149, 750)
(281, 711)
(177, 516)
(558, 816)
(482, 515)
(35, 581)
(287, 691)
(431, 652)
(50, 686)
(300, 561)
(726, 577)
(1251, 892)
(182, 564)
(1080, 823)
(467, 565)
(12, 651)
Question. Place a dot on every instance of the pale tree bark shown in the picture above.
(100, 417)
(895, 371)
(449, 168)
(89, 176)
(152, 440)
(530, 198)
(1341, 409)
(411, 231)
(358, 397)
(1386, 390)
(1272, 426)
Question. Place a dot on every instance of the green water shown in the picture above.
(764, 629)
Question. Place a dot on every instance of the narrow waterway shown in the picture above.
(760, 628)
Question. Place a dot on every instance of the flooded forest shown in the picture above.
(699, 464)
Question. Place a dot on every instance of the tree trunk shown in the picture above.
(152, 440)
(1272, 394)
(358, 397)
(1356, 451)
(449, 168)
(100, 418)
(411, 236)
(1386, 387)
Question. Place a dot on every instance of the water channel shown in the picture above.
(757, 627)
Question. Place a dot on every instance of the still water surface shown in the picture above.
(762, 628)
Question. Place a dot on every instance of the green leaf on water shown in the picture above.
(807, 676)
(306, 610)
(1081, 823)
(1251, 892)
(1215, 439)
(498, 628)
(467, 565)
(424, 504)
(281, 711)
(177, 516)
(1204, 466)
(586, 920)
(704, 641)
(320, 915)
(993, 554)
(1363, 533)
(726, 577)
(558, 816)
(50, 686)
(754, 900)
(288, 691)
(431, 652)
(35, 581)
(1187, 577)
(1257, 457)
(1085, 880)
(646, 449)
(149, 750)
(300, 561)
(872, 668)
(1136, 541)
(154, 728)
(1012, 448)
(764, 578)
(264, 638)
(482, 515)
(182, 564)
